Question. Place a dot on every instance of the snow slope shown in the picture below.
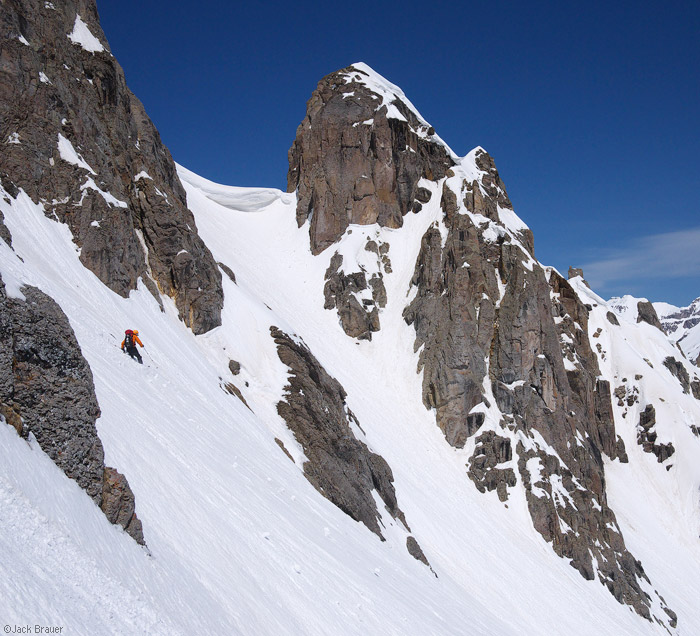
(238, 541)
(657, 505)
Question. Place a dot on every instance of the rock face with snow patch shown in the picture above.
(359, 317)
(338, 465)
(679, 372)
(76, 139)
(46, 390)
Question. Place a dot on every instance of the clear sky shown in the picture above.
(590, 110)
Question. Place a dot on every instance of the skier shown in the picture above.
(131, 339)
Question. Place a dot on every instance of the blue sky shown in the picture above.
(590, 110)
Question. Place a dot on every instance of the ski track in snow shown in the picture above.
(239, 541)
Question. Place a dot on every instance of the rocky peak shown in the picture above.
(362, 127)
(77, 140)
(509, 371)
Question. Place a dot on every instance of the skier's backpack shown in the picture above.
(128, 338)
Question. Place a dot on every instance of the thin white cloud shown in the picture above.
(659, 256)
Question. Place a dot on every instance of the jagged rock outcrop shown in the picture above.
(47, 390)
(492, 325)
(646, 435)
(416, 551)
(647, 313)
(577, 271)
(338, 465)
(359, 316)
(679, 372)
(490, 451)
(119, 505)
(358, 156)
(76, 139)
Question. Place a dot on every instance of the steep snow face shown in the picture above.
(682, 324)
(239, 541)
(384, 392)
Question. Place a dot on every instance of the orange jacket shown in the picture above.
(135, 339)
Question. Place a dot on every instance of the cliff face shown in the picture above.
(505, 355)
(47, 390)
(77, 140)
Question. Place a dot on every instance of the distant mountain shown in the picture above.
(682, 324)
(365, 406)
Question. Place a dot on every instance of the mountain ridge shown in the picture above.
(389, 356)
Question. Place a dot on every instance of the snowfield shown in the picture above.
(238, 540)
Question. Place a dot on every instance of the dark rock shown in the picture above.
(118, 504)
(338, 465)
(612, 319)
(341, 291)
(647, 313)
(491, 450)
(127, 227)
(380, 162)
(679, 372)
(228, 271)
(232, 389)
(415, 550)
(695, 388)
(423, 195)
(47, 390)
(280, 443)
(646, 435)
(5, 234)
(234, 367)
